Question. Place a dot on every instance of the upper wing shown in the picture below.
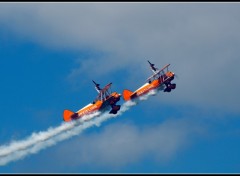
(103, 93)
(158, 72)
(106, 87)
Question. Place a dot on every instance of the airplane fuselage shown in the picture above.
(94, 107)
(147, 88)
(156, 84)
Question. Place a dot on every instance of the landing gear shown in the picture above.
(115, 109)
(172, 86)
(169, 87)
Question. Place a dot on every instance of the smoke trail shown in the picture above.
(145, 97)
(38, 141)
(37, 137)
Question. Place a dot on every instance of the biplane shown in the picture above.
(105, 100)
(160, 80)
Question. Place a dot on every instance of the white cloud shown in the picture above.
(200, 40)
(123, 144)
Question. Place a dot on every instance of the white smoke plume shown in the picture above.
(38, 137)
(37, 141)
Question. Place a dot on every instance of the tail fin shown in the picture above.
(127, 94)
(67, 115)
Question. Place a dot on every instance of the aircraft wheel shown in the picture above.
(172, 86)
(116, 108)
(113, 112)
(168, 89)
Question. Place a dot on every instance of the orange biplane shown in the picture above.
(160, 80)
(104, 101)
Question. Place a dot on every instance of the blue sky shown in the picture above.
(50, 52)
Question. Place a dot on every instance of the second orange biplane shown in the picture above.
(160, 80)
(104, 101)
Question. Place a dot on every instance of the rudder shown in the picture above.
(67, 114)
(127, 94)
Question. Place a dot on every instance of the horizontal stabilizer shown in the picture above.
(127, 94)
(67, 115)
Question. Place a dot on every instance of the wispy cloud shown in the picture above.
(37, 141)
(200, 40)
(123, 144)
